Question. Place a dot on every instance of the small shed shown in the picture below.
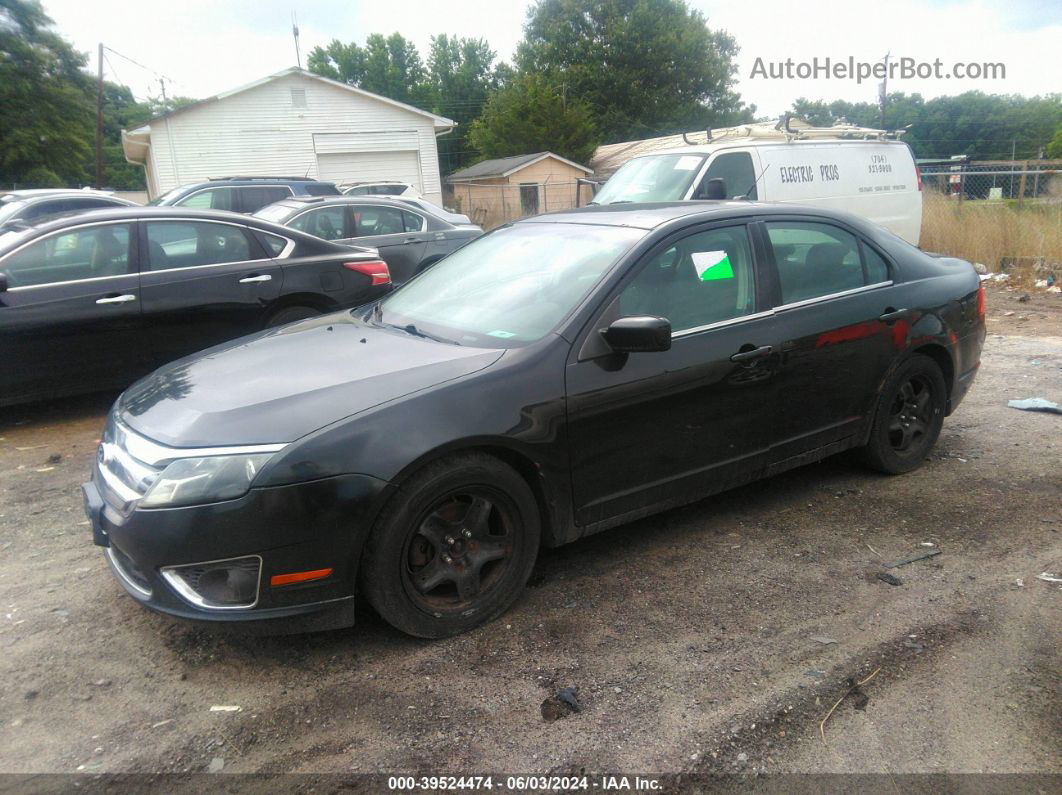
(499, 190)
(293, 122)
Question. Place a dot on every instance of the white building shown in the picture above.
(291, 124)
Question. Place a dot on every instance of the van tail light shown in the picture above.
(918, 177)
(375, 269)
(981, 301)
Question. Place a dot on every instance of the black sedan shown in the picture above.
(96, 300)
(554, 378)
(410, 238)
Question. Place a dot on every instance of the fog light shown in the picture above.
(219, 584)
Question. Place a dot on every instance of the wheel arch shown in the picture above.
(318, 302)
(940, 354)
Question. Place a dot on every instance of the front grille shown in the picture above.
(124, 478)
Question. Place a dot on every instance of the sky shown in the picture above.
(203, 47)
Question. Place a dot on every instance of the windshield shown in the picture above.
(656, 178)
(510, 287)
(9, 208)
(274, 212)
(165, 198)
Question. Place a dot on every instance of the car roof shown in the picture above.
(652, 215)
(55, 193)
(302, 202)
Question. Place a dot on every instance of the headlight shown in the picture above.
(192, 481)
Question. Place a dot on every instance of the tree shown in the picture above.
(645, 67)
(46, 109)
(1054, 148)
(983, 126)
(388, 66)
(532, 114)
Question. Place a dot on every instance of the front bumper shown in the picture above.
(302, 527)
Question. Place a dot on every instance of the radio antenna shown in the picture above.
(295, 33)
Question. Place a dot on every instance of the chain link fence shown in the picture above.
(997, 180)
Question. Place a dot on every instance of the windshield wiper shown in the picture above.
(410, 328)
(622, 201)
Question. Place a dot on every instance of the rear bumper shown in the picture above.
(302, 527)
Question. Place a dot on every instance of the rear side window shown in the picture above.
(877, 270)
(258, 196)
(735, 169)
(372, 221)
(815, 259)
(273, 243)
(183, 244)
(414, 223)
(87, 253)
(210, 199)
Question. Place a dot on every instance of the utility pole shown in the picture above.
(295, 33)
(99, 121)
(882, 88)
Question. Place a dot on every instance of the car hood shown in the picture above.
(281, 384)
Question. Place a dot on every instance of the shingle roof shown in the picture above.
(502, 166)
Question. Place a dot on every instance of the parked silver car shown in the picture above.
(31, 206)
(409, 237)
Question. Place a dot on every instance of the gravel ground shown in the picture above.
(712, 638)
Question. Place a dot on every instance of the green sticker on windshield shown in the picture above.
(712, 265)
(503, 334)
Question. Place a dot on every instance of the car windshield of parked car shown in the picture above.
(658, 178)
(510, 287)
(165, 198)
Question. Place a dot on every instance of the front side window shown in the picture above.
(370, 221)
(87, 253)
(815, 259)
(510, 287)
(327, 223)
(654, 178)
(211, 199)
(187, 244)
(256, 197)
(702, 279)
(735, 169)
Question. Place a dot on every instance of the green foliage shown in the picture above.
(388, 66)
(1054, 147)
(645, 67)
(983, 126)
(45, 98)
(531, 114)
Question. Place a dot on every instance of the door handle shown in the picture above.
(116, 299)
(892, 315)
(412, 239)
(255, 279)
(752, 355)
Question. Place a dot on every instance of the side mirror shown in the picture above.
(638, 334)
(3, 282)
(713, 189)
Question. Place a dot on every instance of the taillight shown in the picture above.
(981, 301)
(375, 269)
(918, 177)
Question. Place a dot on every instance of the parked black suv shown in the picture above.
(243, 194)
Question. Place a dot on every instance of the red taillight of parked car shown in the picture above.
(375, 269)
(918, 177)
(981, 302)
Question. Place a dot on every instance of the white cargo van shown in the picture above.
(844, 167)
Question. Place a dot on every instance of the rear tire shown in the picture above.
(454, 547)
(908, 417)
(290, 314)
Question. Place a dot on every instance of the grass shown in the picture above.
(1025, 241)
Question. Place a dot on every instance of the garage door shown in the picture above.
(370, 167)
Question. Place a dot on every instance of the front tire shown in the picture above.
(454, 547)
(908, 417)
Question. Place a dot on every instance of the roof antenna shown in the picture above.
(295, 33)
(755, 182)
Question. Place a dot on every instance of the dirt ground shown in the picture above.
(713, 638)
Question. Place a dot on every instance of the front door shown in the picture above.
(676, 425)
(203, 283)
(70, 317)
(837, 331)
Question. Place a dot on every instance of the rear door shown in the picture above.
(202, 282)
(252, 198)
(839, 330)
(70, 319)
(399, 235)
